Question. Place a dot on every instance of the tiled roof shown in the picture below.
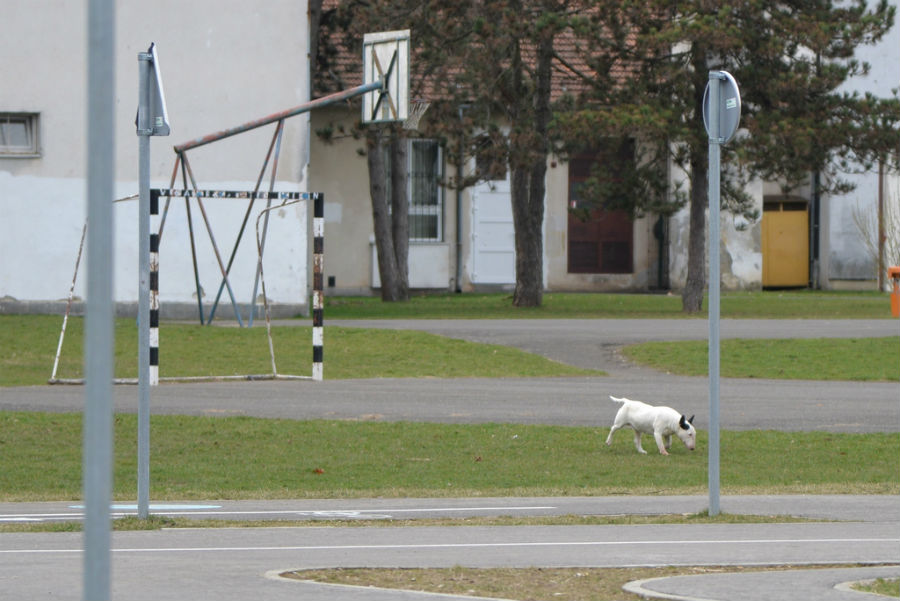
(345, 66)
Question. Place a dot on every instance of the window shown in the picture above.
(19, 135)
(426, 206)
(426, 196)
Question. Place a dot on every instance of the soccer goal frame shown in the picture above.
(275, 201)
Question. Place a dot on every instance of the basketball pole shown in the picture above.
(99, 340)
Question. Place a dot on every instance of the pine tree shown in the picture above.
(789, 58)
(639, 70)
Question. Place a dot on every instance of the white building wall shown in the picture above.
(223, 63)
(849, 258)
(740, 246)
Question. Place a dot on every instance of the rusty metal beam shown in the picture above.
(303, 108)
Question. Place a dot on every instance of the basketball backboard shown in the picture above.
(386, 59)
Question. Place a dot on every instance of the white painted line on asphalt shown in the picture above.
(524, 544)
(441, 509)
(212, 510)
(37, 517)
(155, 507)
(328, 512)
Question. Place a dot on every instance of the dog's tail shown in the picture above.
(618, 400)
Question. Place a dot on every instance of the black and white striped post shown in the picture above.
(154, 289)
(318, 296)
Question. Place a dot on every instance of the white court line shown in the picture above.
(312, 512)
(524, 544)
(154, 506)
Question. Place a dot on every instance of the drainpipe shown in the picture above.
(814, 233)
(881, 233)
(460, 164)
(814, 276)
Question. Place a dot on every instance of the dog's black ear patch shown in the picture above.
(684, 423)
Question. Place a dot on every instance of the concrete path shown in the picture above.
(744, 404)
(593, 343)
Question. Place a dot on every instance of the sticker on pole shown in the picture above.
(728, 109)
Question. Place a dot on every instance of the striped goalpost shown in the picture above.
(318, 294)
(318, 291)
(154, 289)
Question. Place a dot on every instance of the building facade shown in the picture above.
(223, 63)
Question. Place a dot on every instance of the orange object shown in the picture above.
(894, 274)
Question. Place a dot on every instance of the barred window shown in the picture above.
(19, 135)
(426, 206)
(426, 196)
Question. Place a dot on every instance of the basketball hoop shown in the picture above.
(417, 108)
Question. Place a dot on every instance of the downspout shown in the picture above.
(662, 239)
(460, 165)
(814, 218)
(814, 280)
(881, 233)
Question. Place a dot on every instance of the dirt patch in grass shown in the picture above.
(522, 584)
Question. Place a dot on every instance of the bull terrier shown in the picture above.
(661, 422)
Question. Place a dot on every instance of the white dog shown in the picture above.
(662, 422)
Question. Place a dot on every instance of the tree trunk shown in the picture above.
(529, 183)
(528, 214)
(381, 217)
(400, 214)
(390, 215)
(692, 295)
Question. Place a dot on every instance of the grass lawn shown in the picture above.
(873, 359)
(889, 587)
(251, 458)
(28, 346)
(799, 304)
